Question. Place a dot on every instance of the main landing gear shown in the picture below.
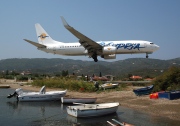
(147, 55)
(94, 56)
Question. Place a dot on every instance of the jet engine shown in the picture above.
(108, 50)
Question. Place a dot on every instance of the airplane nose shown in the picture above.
(157, 47)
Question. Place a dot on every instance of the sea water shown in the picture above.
(53, 113)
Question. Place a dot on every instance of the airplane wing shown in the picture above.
(35, 44)
(86, 42)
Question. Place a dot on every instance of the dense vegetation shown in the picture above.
(169, 80)
(66, 83)
(135, 66)
(73, 84)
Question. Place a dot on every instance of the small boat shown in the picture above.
(109, 85)
(119, 123)
(90, 120)
(42, 95)
(144, 91)
(4, 86)
(90, 110)
(171, 95)
(71, 100)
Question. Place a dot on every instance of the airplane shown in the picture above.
(87, 46)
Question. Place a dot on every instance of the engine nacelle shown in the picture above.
(112, 56)
(109, 50)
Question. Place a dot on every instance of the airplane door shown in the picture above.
(145, 45)
(61, 47)
(54, 50)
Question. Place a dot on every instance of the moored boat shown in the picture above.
(42, 95)
(90, 110)
(109, 85)
(70, 100)
(4, 86)
(144, 91)
(119, 123)
(171, 95)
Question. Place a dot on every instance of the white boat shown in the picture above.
(119, 123)
(108, 85)
(4, 86)
(90, 110)
(42, 95)
(71, 100)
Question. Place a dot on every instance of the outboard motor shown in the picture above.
(16, 93)
(43, 90)
(19, 91)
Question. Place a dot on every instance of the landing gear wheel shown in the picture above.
(147, 56)
(95, 58)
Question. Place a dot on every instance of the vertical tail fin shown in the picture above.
(43, 37)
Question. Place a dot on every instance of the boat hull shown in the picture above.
(77, 100)
(144, 91)
(91, 110)
(171, 95)
(109, 86)
(4, 86)
(41, 97)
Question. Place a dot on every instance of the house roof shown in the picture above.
(136, 77)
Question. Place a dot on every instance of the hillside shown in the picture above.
(138, 66)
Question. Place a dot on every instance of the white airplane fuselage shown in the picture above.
(122, 47)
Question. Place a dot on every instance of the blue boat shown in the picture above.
(171, 95)
(144, 91)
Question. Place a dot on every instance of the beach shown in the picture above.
(126, 98)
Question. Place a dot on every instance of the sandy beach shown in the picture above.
(156, 107)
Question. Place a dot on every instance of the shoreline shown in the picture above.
(156, 107)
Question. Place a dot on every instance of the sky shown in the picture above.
(157, 21)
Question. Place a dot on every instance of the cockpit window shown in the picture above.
(151, 43)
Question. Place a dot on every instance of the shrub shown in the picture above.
(169, 80)
(65, 83)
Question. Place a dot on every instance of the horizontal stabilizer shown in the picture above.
(35, 44)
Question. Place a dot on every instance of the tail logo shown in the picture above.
(43, 36)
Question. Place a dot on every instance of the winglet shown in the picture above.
(66, 25)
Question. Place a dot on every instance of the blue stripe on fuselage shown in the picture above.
(128, 46)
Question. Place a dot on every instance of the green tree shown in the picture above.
(100, 75)
(65, 73)
(93, 75)
(169, 80)
(82, 75)
(7, 72)
(129, 75)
